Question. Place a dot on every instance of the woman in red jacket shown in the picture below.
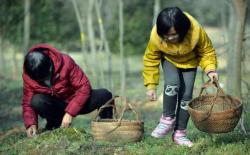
(57, 89)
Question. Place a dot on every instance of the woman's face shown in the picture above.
(172, 36)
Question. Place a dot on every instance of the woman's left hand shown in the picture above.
(67, 119)
(213, 76)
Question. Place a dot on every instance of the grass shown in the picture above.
(78, 140)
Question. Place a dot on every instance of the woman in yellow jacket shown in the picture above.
(180, 44)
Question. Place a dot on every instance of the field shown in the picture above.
(78, 139)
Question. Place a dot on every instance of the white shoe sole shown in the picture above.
(157, 136)
(186, 145)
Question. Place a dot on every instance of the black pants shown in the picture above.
(52, 108)
(178, 88)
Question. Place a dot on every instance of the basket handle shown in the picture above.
(219, 91)
(214, 84)
(127, 107)
(107, 104)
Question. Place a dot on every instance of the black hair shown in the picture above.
(37, 65)
(172, 17)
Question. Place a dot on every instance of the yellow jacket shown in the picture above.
(195, 50)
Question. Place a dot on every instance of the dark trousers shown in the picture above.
(178, 91)
(52, 108)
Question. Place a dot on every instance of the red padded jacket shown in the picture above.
(69, 83)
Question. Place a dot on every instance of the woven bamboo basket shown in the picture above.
(215, 113)
(117, 130)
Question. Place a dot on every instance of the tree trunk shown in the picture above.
(157, 4)
(15, 64)
(80, 24)
(121, 31)
(2, 58)
(234, 74)
(26, 35)
(230, 56)
(91, 39)
(82, 36)
(101, 45)
(100, 24)
(91, 34)
(106, 45)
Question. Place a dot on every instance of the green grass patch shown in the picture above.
(78, 140)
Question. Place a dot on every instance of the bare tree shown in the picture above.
(26, 38)
(2, 57)
(82, 34)
(26, 35)
(121, 33)
(91, 39)
(91, 34)
(237, 28)
(15, 64)
(104, 42)
(234, 72)
(157, 8)
(80, 24)
(92, 59)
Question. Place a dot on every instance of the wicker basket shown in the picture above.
(215, 113)
(117, 130)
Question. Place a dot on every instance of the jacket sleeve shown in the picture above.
(82, 88)
(151, 61)
(29, 115)
(206, 52)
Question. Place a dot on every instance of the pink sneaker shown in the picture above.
(180, 138)
(165, 125)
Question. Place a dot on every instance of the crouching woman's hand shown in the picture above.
(67, 119)
(31, 131)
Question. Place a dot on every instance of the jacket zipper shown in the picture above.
(52, 82)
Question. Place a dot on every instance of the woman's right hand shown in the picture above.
(151, 93)
(31, 131)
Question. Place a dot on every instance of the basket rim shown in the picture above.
(227, 110)
(116, 121)
(210, 95)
